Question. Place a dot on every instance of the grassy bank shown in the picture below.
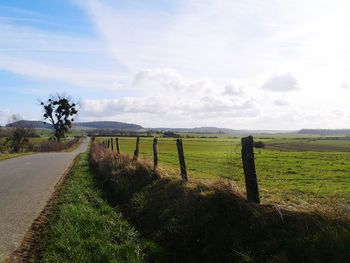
(289, 178)
(85, 228)
(202, 221)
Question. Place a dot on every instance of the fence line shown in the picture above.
(247, 157)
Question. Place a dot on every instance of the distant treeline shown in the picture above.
(100, 125)
(325, 131)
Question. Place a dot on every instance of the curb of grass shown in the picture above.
(11, 156)
(26, 250)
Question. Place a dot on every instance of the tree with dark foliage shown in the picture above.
(19, 137)
(60, 111)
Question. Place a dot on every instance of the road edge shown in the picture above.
(26, 250)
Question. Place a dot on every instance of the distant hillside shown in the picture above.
(30, 124)
(196, 130)
(325, 131)
(122, 126)
(110, 125)
(216, 130)
(100, 125)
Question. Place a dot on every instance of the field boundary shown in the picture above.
(235, 160)
(192, 221)
(11, 156)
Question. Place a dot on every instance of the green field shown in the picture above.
(287, 177)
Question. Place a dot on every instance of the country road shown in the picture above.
(26, 183)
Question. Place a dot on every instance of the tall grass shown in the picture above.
(53, 146)
(211, 222)
(85, 228)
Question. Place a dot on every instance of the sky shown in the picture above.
(243, 64)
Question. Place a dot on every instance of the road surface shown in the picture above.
(26, 183)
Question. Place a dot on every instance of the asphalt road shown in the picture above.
(26, 183)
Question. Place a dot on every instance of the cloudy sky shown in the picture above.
(244, 64)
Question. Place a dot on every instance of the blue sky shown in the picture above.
(243, 64)
(50, 24)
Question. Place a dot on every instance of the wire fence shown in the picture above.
(205, 163)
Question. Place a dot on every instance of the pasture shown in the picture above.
(290, 170)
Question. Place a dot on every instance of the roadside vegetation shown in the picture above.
(207, 221)
(14, 146)
(5, 156)
(113, 208)
(297, 180)
(85, 228)
(16, 138)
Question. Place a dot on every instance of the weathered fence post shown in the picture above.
(137, 149)
(108, 143)
(155, 156)
(112, 146)
(117, 143)
(251, 182)
(180, 151)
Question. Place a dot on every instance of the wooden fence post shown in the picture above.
(137, 149)
(155, 156)
(251, 182)
(112, 146)
(108, 143)
(117, 143)
(180, 151)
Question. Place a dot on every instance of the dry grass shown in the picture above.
(211, 222)
(54, 146)
(5, 156)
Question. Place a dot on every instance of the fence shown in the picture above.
(247, 157)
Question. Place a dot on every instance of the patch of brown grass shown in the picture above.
(201, 221)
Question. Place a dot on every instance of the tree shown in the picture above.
(18, 138)
(60, 111)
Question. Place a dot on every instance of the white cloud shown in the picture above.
(233, 89)
(281, 102)
(47, 71)
(159, 111)
(281, 83)
(169, 97)
(47, 55)
(344, 85)
(166, 81)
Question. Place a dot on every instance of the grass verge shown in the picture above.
(210, 222)
(5, 156)
(85, 228)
